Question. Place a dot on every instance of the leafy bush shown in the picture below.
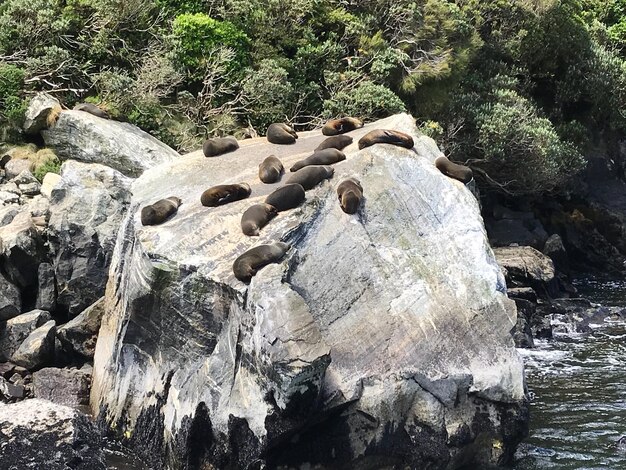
(367, 101)
(52, 165)
(196, 33)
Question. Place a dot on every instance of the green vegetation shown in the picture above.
(519, 89)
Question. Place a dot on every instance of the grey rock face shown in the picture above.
(381, 335)
(22, 248)
(78, 336)
(9, 391)
(86, 210)
(37, 434)
(62, 386)
(13, 332)
(10, 299)
(81, 136)
(8, 213)
(37, 350)
(17, 165)
(39, 109)
(46, 291)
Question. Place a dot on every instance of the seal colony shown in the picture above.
(306, 175)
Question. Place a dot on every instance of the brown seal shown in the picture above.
(310, 176)
(249, 263)
(350, 193)
(219, 146)
(270, 170)
(225, 193)
(386, 136)
(256, 217)
(454, 170)
(286, 197)
(323, 157)
(92, 109)
(341, 126)
(160, 211)
(280, 133)
(338, 142)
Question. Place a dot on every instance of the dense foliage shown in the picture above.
(519, 89)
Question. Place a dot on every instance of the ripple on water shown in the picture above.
(579, 384)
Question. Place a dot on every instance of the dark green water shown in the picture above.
(579, 382)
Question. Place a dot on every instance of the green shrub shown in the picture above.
(52, 165)
(11, 81)
(367, 101)
(195, 34)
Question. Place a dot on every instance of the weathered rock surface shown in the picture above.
(21, 250)
(39, 110)
(526, 267)
(62, 386)
(87, 138)
(49, 183)
(46, 290)
(17, 165)
(13, 332)
(385, 334)
(10, 298)
(86, 209)
(78, 336)
(37, 350)
(37, 434)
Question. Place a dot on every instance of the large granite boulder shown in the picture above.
(78, 135)
(86, 209)
(382, 338)
(37, 434)
(41, 112)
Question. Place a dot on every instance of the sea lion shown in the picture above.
(219, 146)
(454, 170)
(225, 193)
(323, 157)
(310, 176)
(286, 197)
(341, 126)
(270, 170)
(249, 263)
(92, 109)
(338, 142)
(280, 133)
(160, 211)
(386, 136)
(256, 217)
(350, 193)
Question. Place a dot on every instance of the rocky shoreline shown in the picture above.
(298, 358)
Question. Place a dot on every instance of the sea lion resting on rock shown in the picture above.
(249, 263)
(341, 126)
(92, 109)
(225, 193)
(454, 170)
(160, 211)
(350, 194)
(338, 142)
(219, 146)
(322, 157)
(310, 176)
(270, 170)
(256, 217)
(287, 197)
(386, 136)
(280, 133)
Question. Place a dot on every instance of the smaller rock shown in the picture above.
(542, 327)
(10, 391)
(555, 249)
(22, 250)
(25, 177)
(526, 267)
(17, 165)
(525, 293)
(38, 349)
(49, 182)
(10, 298)
(8, 198)
(62, 386)
(40, 112)
(522, 333)
(10, 187)
(7, 369)
(79, 335)
(7, 214)
(30, 189)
